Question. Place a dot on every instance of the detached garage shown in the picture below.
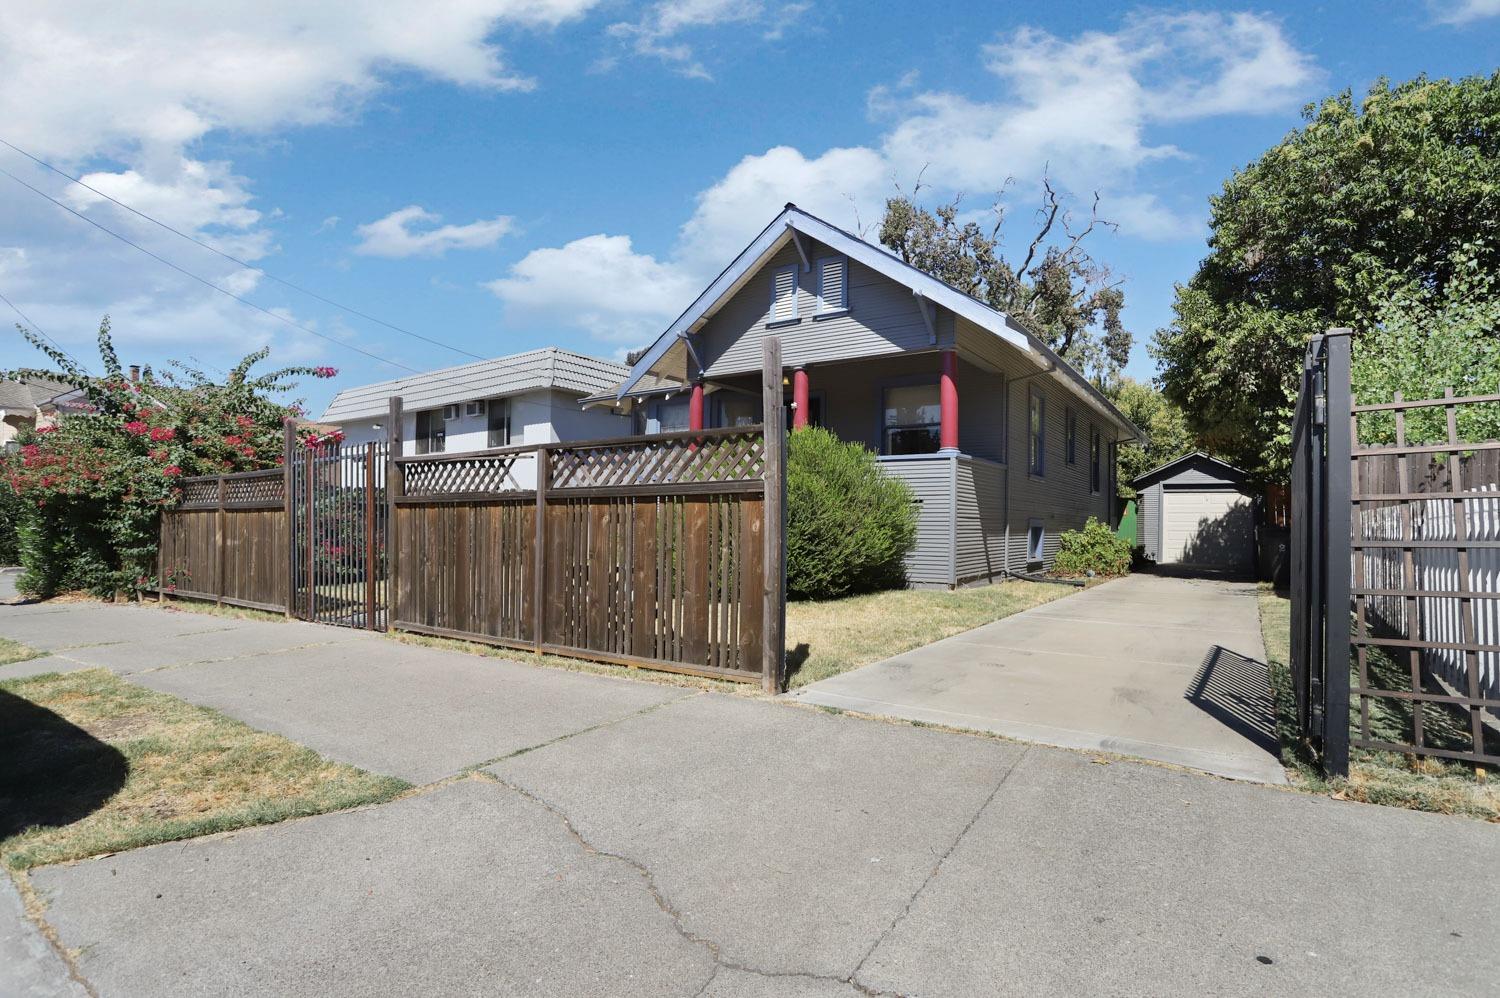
(1196, 512)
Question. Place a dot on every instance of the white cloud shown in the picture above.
(1463, 11)
(126, 91)
(658, 32)
(613, 292)
(1086, 110)
(399, 234)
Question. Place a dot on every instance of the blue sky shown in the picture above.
(505, 174)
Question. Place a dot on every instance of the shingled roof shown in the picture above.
(550, 367)
(30, 393)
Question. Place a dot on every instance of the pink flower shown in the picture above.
(47, 429)
(234, 440)
(161, 433)
(171, 470)
(325, 372)
(137, 427)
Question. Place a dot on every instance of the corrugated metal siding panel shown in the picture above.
(546, 368)
(980, 520)
(1148, 521)
(931, 480)
(883, 318)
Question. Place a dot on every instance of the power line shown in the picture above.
(235, 259)
(42, 332)
(206, 282)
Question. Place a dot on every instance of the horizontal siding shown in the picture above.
(931, 482)
(1148, 521)
(1197, 476)
(980, 520)
(883, 318)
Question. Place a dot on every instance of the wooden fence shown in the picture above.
(228, 541)
(662, 551)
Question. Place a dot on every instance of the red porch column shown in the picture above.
(695, 407)
(948, 403)
(799, 398)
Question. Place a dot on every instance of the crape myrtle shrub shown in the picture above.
(848, 526)
(91, 486)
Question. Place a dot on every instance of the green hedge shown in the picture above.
(848, 525)
(1095, 548)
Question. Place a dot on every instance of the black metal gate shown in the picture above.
(1320, 549)
(338, 536)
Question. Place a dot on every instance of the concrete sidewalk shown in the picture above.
(1169, 669)
(582, 835)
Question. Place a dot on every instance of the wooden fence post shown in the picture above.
(288, 459)
(395, 487)
(773, 653)
(370, 536)
(219, 544)
(539, 555)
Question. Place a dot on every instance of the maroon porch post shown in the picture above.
(948, 403)
(695, 407)
(799, 398)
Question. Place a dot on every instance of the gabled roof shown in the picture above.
(31, 393)
(550, 367)
(1221, 469)
(882, 261)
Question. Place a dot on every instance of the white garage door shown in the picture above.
(1207, 529)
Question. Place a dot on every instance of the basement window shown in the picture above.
(1036, 540)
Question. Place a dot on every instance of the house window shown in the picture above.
(1036, 434)
(912, 416)
(783, 294)
(432, 435)
(833, 293)
(1036, 540)
(1070, 435)
(666, 416)
(498, 423)
(734, 409)
(450, 412)
(475, 408)
(1095, 457)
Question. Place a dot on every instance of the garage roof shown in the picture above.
(1209, 468)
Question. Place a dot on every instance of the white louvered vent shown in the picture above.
(831, 284)
(784, 294)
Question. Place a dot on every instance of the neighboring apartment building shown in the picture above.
(527, 398)
(1002, 442)
(25, 404)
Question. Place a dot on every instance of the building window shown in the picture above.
(912, 418)
(1036, 541)
(1036, 434)
(783, 294)
(432, 434)
(475, 408)
(1070, 435)
(666, 416)
(450, 412)
(1095, 457)
(498, 423)
(833, 284)
(734, 409)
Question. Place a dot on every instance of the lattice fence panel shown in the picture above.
(738, 457)
(200, 493)
(430, 479)
(266, 488)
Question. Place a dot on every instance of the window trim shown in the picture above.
(1070, 435)
(1036, 464)
(1096, 457)
(772, 322)
(454, 407)
(823, 312)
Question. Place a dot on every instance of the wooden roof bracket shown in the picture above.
(929, 315)
(801, 249)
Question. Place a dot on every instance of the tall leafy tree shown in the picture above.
(1368, 201)
(1054, 286)
(1167, 433)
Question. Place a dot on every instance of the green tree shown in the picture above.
(1055, 288)
(1166, 429)
(1360, 205)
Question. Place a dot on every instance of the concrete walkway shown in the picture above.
(580, 835)
(1168, 669)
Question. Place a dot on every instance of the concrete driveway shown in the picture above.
(1170, 669)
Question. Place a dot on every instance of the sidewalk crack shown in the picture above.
(36, 912)
(936, 867)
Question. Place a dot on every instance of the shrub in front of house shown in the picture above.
(1096, 548)
(848, 526)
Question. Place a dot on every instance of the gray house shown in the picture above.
(1004, 444)
(1198, 513)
